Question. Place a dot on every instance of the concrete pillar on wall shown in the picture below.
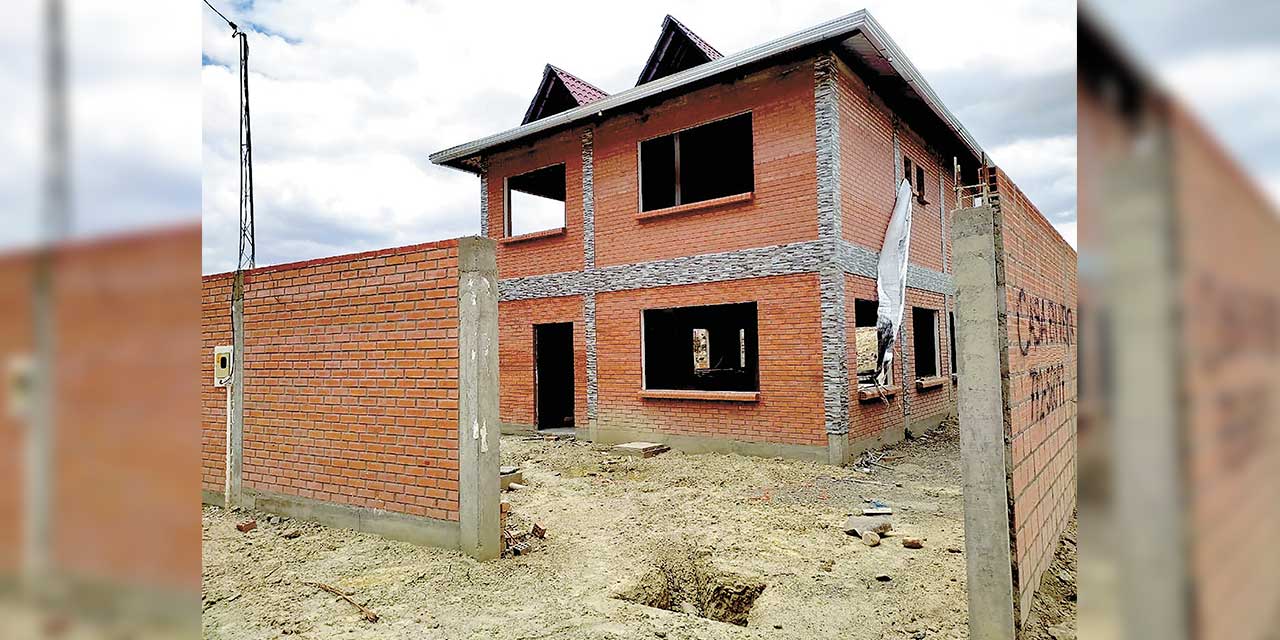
(478, 428)
(235, 436)
(982, 430)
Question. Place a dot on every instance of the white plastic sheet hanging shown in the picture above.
(891, 282)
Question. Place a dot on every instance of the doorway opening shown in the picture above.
(553, 375)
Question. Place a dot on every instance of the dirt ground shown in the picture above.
(614, 524)
(1053, 613)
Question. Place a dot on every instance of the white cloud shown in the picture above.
(348, 99)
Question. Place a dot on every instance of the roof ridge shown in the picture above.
(573, 77)
(670, 27)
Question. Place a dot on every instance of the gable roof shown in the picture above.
(560, 91)
(856, 36)
(678, 48)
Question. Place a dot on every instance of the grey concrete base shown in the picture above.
(925, 425)
(517, 429)
(212, 498)
(698, 444)
(396, 526)
(890, 436)
(838, 449)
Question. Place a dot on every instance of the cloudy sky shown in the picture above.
(349, 98)
(1221, 59)
(135, 88)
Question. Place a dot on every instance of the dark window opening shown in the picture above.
(917, 187)
(951, 329)
(710, 348)
(553, 374)
(535, 201)
(924, 332)
(865, 340)
(710, 161)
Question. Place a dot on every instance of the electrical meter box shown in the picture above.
(221, 366)
(19, 380)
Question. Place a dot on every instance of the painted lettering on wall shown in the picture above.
(1048, 390)
(1040, 321)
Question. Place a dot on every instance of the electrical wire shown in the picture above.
(224, 18)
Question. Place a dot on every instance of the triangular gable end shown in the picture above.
(677, 49)
(560, 91)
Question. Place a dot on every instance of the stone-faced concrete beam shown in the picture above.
(982, 437)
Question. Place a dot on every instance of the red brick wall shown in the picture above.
(867, 169)
(215, 330)
(515, 356)
(927, 403)
(351, 391)
(790, 407)
(872, 419)
(548, 254)
(125, 331)
(16, 339)
(1040, 290)
(784, 208)
(1228, 234)
(876, 419)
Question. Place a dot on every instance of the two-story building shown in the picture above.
(693, 260)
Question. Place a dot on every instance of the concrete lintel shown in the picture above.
(982, 439)
(478, 423)
(396, 526)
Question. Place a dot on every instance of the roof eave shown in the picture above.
(847, 26)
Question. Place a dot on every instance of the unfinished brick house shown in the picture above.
(693, 260)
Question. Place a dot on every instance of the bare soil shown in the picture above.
(1053, 613)
(664, 547)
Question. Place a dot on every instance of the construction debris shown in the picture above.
(857, 525)
(870, 538)
(515, 486)
(877, 511)
(641, 449)
(291, 534)
(508, 475)
(247, 526)
(364, 611)
(913, 543)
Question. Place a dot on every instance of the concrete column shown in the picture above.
(1146, 438)
(982, 437)
(478, 428)
(235, 439)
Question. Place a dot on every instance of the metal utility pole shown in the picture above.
(244, 261)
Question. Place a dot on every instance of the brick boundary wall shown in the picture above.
(1039, 283)
(124, 323)
(361, 408)
(1020, 468)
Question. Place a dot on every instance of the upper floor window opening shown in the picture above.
(534, 201)
(709, 161)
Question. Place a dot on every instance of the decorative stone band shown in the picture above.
(588, 198)
(787, 259)
(827, 124)
(835, 351)
(593, 383)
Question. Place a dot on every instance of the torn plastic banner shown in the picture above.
(891, 282)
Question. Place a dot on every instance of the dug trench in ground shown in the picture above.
(610, 522)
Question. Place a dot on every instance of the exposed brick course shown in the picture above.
(351, 380)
